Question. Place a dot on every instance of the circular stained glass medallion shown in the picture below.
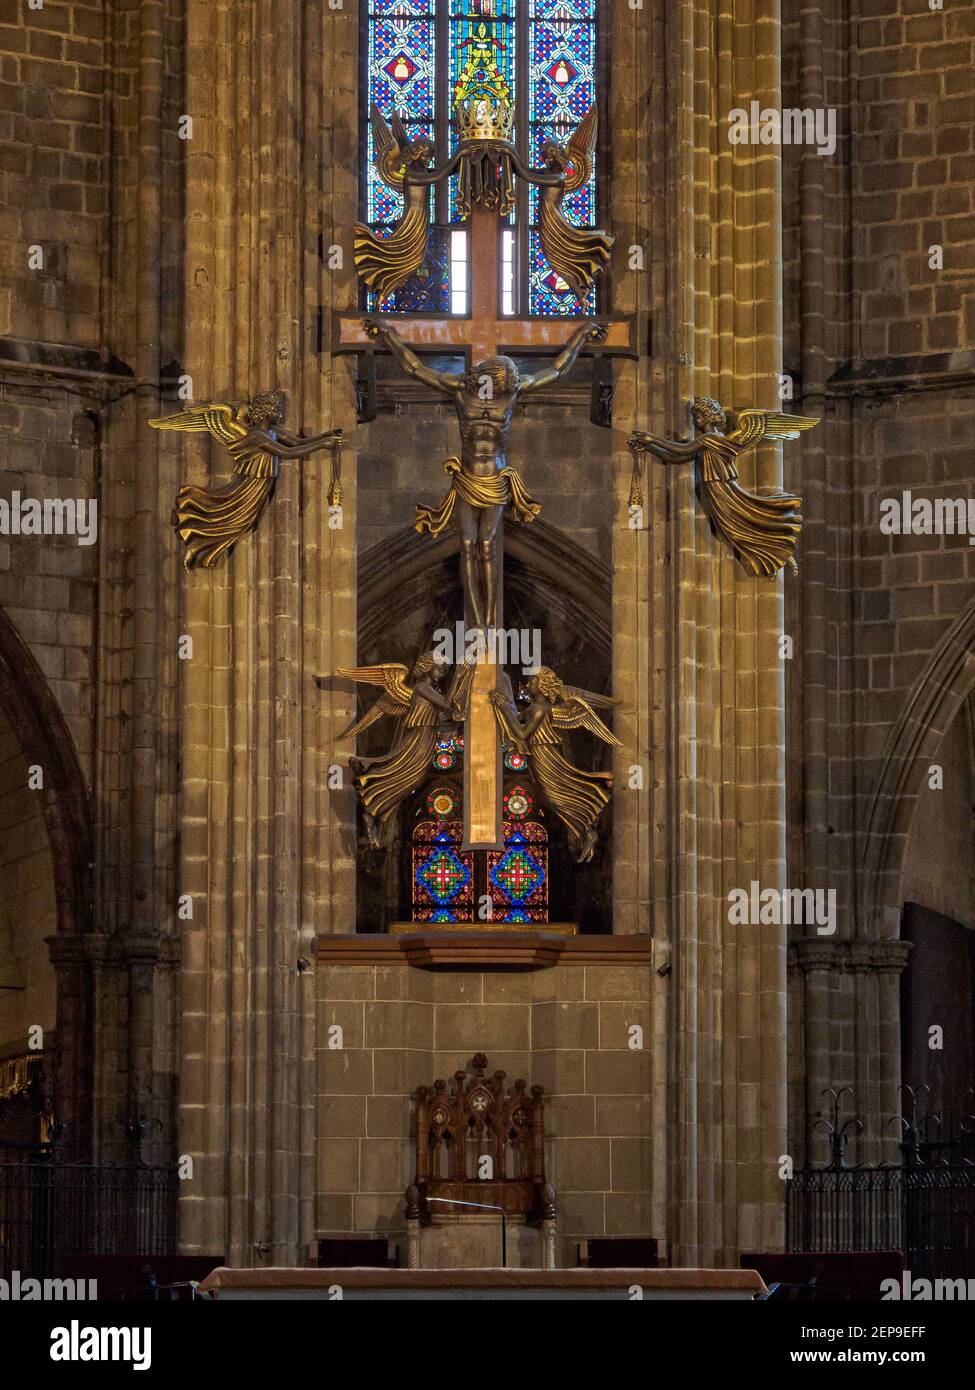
(518, 803)
(443, 803)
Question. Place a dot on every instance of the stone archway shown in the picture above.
(411, 586)
(45, 741)
(931, 706)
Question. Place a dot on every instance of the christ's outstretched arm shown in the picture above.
(588, 333)
(445, 382)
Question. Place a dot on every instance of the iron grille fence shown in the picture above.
(51, 1209)
(924, 1205)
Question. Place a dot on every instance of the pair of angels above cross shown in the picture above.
(475, 699)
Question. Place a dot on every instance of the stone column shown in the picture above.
(261, 844)
(727, 1039)
(642, 577)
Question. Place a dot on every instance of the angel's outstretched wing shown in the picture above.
(393, 704)
(599, 701)
(753, 425)
(218, 418)
(576, 713)
(581, 150)
(389, 145)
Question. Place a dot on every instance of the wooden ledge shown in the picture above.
(744, 1282)
(484, 950)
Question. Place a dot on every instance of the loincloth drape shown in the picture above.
(499, 490)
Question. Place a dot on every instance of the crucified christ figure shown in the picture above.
(482, 485)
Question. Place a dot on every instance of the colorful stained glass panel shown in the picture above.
(518, 874)
(561, 89)
(442, 874)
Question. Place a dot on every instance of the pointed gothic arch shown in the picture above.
(932, 704)
(29, 704)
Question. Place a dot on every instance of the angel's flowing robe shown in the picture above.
(578, 254)
(763, 530)
(211, 521)
(386, 263)
(386, 781)
(578, 798)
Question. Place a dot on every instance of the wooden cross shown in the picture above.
(485, 334)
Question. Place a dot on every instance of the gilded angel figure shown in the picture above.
(762, 530)
(578, 798)
(578, 254)
(211, 521)
(384, 264)
(421, 704)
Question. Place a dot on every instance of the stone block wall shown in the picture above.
(52, 167)
(880, 330)
(566, 1028)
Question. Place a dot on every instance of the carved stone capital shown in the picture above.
(853, 957)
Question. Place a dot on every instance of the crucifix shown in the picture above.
(482, 485)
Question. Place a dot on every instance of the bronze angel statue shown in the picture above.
(212, 520)
(422, 702)
(762, 530)
(578, 254)
(384, 264)
(578, 798)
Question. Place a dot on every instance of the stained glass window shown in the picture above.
(443, 875)
(561, 89)
(483, 40)
(450, 885)
(402, 61)
(545, 50)
(518, 874)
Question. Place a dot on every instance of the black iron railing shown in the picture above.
(923, 1205)
(51, 1209)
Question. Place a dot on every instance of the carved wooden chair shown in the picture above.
(479, 1146)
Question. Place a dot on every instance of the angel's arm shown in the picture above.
(667, 450)
(566, 360)
(445, 382)
(261, 441)
(435, 698)
(533, 718)
(326, 437)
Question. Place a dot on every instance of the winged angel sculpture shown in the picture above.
(762, 530)
(578, 798)
(578, 254)
(212, 520)
(386, 263)
(422, 703)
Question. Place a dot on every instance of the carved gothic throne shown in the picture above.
(480, 1147)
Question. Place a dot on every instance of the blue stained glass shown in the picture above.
(518, 875)
(561, 89)
(548, 293)
(402, 77)
(443, 875)
(562, 9)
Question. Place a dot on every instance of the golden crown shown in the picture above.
(485, 118)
